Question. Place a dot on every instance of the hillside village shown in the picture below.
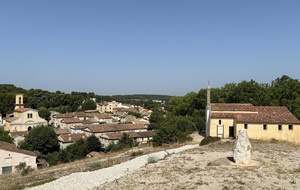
(109, 122)
(112, 121)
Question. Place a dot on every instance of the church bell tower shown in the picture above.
(208, 112)
(19, 101)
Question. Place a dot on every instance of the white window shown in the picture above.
(8, 160)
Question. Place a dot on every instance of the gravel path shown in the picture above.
(92, 180)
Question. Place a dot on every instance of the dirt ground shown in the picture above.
(274, 166)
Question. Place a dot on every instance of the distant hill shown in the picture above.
(144, 97)
(67, 102)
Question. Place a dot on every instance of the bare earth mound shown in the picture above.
(273, 166)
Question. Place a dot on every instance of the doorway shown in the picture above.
(231, 132)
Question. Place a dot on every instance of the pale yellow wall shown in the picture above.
(23, 122)
(256, 131)
(7, 126)
(143, 140)
(225, 122)
(57, 122)
(9, 158)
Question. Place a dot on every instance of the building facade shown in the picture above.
(11, 156)
(261, 122)
(23, 119)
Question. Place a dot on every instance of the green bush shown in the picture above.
(208, 140)
(137, 153)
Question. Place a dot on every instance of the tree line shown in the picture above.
(187, 113)
(65, 102)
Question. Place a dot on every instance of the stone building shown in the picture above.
(224, 120)
(23, 119)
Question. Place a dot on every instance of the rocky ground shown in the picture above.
(274, 166)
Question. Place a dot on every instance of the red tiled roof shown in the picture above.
(71, 120)
(22, 109)
(264, 114)
(269, 114)
(61, 131)
(11, 147)
(11, 119)
(80, 114)
(100, 115)
(67, 115)
(114, 127)
(232, 107)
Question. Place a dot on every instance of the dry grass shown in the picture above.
(208, 167)
(17, 181)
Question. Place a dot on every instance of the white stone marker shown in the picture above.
(242, 148)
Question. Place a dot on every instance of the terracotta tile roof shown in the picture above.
(11, 147)
(79, 127)
(11, 119)
(269, 114)
(66, 115)
(264, 114)
(101, 128)
(22, 109)
(80, 114)
(61, 131)
(100, 115)
(112, 136)
(90, 121)
(232, 107)
(145, 134)
(71, 137)
(71, 120)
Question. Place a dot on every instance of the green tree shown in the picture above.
(42, 139)
(4, 136)
(77, 150)
(89, 105)
(93, 144)
(44, 113)
(136, 114)
(174, 129)
(126, 141)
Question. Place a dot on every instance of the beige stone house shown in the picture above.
(67, 123)
(102, 118)
(57, 118)
(99, 130)
(11, 156)
(68, 139)
(262, 122)
(139, 138)
(105, 107)
(23, 119)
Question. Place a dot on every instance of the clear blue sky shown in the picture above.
(146, 46)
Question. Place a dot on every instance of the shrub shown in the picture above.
(137, 153)
(27, 170)
(208, 140)
(23, 168)
(273, 140)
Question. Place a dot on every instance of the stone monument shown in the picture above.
(242, 148)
